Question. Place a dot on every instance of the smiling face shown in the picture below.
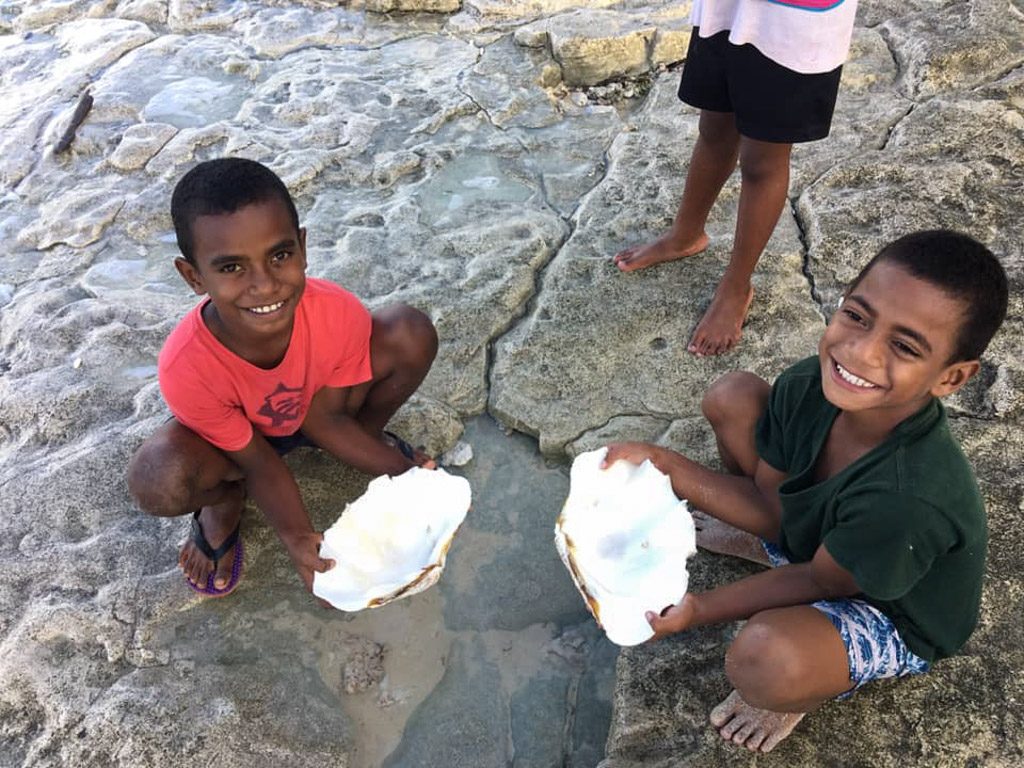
(252, 264)
(887, 349)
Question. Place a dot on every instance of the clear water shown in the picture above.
(498, 663)
(468, 186)
(194, 102)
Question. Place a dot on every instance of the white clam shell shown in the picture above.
(625, 537)
(392, 541)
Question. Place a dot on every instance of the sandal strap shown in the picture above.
(407, 450)
(199, 539)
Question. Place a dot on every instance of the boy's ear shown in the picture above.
(955, 376)
(190, 274)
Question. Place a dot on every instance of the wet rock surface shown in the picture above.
(470, 159)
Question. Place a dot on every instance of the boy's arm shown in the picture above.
(329, 425)
(271, 485)
(796, 584)
(749, 503)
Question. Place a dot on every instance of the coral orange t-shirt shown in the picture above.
(223, 398)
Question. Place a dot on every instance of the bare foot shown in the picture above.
(759, 730)
(665, 248)
(719, 330)
(217, 522)
(723, 539)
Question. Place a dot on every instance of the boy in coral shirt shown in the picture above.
(269, 361)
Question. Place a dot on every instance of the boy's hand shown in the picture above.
(634, 453)
(421, 459)
(673, 619)
(304, 550)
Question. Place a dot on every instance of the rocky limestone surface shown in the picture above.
(481, 160)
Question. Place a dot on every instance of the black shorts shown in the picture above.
(770, 101)
(282, 445)
(287, 443)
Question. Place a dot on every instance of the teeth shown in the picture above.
(857, 381)
(267, 309)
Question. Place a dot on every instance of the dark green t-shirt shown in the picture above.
(906, 519)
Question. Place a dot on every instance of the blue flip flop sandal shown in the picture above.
(407, 450)
(199, 539)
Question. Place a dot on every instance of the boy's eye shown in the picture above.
(281, 255)
(852, 314)
(905, 349)
(230, 268)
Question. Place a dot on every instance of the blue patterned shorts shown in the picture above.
(873, 645)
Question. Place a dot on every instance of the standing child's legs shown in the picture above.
(764, 168)
(783, 663)
(770, 107)
(713, 161)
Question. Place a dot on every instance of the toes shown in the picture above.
(196, 569)
(719, 715)
(623, 258)
(783, 730)
(185, 564)
(729, 729)
(729, 724)
(755, 740)
(197, 572)
(702, 346)
(224, 569)
(719, 346)
(742, 733)
(725, 710)
(771, 742)
(730, 342)
(186, 568)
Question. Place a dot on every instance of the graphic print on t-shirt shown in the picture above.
(282, 405)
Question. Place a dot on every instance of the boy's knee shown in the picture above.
(409, 333)
(737, 391)
(764, 664)
(760, 163)
(158, 481)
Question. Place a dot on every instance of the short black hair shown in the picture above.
(222, 186)
(962, 268)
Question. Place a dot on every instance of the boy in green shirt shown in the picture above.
(845, 477)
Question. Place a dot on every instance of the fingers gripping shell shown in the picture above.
(392, 541)
(625, 537)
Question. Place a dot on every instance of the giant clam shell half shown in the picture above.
(625, 537)
(392, 541)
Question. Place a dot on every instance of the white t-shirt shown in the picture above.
(805, 41)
